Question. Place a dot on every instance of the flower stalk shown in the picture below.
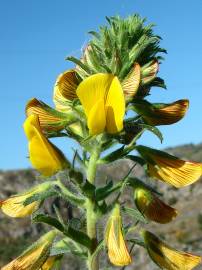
(91, 216)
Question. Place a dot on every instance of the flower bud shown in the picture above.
(166, 257)
(117, 250)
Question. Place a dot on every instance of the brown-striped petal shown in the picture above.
(131, 83)
(50, 119)
(65, 90)
(117, 251)
(161, 114)
(170, 169)
(35, 256)
(166, 257)
(152, 207)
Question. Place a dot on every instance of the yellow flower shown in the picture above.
(49, 119)
(170, 169)
(131, 83)
(65, 90)
(35, 256)
(166, 257)
(103, 101)
(14, 206)
(44, 155)
(152, 207)
(117, 250)
(161, 114)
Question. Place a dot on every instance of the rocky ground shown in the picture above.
(184, 233)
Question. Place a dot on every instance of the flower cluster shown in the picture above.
(101, 103)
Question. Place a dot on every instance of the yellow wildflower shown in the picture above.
(14, 206)
(44, 155)
(103, 101)
(35, 256)
(168, 258)
(152, 207)
(117, 250)
(170, 169)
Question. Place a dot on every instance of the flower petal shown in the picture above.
(160, 113)
(103, 88)
(117, 250)
(44, 156)
(131, 83)
(166, 257)
(65, 89)
(97, 118)
(34, 256)
(93, 89)
(115, 107)
(50, 119)
(14, 207)
(152, 207)
(170, 169)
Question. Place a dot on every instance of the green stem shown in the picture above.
(73, 198)
(91, 216)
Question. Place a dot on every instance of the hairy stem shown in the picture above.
(91, 216)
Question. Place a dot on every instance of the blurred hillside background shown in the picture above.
(35, 38)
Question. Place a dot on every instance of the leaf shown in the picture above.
(103, 192)
(138, 242)
(134, 214)
(88, 189)
(79, 63)
(117, 154)
(48, 220)
(154, 130)
(66, 246)
(78, 236)
(136, 159)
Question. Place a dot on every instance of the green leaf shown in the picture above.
(154, 130)
(79, 63)
(78, 236)
(41, 218)
(66, 246)
(136, 159)
(138, 242)
(134, 214)
(103, 192)
(117, 154)
(88, 189)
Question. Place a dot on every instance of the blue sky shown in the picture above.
(36, 36)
